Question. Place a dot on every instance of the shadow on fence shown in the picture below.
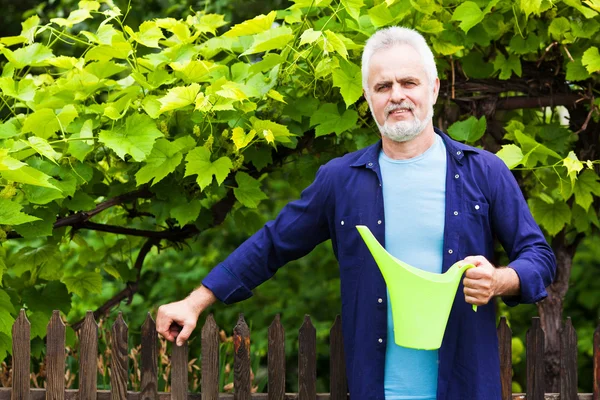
(307, 364)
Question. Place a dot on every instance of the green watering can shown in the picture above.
(420, 300)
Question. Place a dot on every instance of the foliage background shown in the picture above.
(519, 79)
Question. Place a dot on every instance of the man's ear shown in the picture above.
(436, 89)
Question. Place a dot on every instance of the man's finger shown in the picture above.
(185, 333)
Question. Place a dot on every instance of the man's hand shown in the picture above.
(486, 281)
(177, 320)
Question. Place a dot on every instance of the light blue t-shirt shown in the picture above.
(414, 198)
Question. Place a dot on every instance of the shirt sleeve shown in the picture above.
(299, 227)
(529, 253)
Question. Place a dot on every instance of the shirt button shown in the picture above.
(380, 300)
(380, 340)
(458, 153)
(379, 222)
(456, 176)
(477, 206)
(342, 222)
(370, 164)
(455, 212)
(450, 251)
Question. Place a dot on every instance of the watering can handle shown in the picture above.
(474, 308)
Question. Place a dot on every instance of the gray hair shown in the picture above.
(392, 36)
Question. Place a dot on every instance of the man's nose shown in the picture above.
(398, 93)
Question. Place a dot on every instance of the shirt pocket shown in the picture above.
(350, 245)
(476, 216)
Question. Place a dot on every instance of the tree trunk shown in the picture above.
(551, 308)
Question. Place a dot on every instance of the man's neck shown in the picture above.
(409, 149)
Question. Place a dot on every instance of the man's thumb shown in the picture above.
(184, 334)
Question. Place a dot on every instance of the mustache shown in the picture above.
(405, 104)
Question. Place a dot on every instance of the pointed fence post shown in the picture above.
(241, 362)
(55, 358)
(149, 388)
(119, 359)
(276, 360)
(307, 361)
(21, 333)
(535, 361)
(568, 362)
(337, 364)
(88, 361)
(505, 351)
(210, 359)
(179, 372)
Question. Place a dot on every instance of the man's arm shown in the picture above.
(485, 282)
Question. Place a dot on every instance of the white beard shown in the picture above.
(403, 131)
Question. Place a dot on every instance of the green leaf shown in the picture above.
(179, 97)
(348, 79)
(328, 120)
(445, 48)
(193, 71)
(198, 162)
(511, 155)
(551, 217)
(23, 89)
(531, 7)
(43, 147)
(42, 123)
(585, 187)
(5, 303)
(507, 66)
(149, 34)
(136, 137)
(591, 59)
(39, 324)
(8, 130)
(84, 283)
(17, 171)
(280, 132)
(353, 7)
(34, 55)
(470, 130)
(186, 212)
(430, 26)
(5, 345)
(81, 148)
(75, 17)
(257, 24)
(310, 36)
(29, 27)
(576, 71)
(240, 139)
(427, 7)
(54, 296)
(533, 149)
(518, 45)
(558, 27)
(276, 38)
(469, 15)
(163, 160)
(10, 213)
(380, 15)
(248, 191)
(40, 228)
(80, 202)
(6, 322)
(335, 43)
(573, 165)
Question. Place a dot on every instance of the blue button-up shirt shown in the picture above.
(483, 202)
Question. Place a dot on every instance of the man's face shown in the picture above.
(399, 94)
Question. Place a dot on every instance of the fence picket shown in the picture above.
(535, 361)
(210, 359)
(119, 359)
(21, 333)
(276, 362)
(241, 362)
(596, 394)
(568, 362)
(179, 372)
(88, 363)
(307, 361)
(55, 358)
(337, 364)
(149, 384)
(505, 350)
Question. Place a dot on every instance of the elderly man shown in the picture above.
(432, 202)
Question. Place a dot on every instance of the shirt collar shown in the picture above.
(370, 156)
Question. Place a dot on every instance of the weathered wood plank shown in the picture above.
(119, 359)
(535, 361)
(179, 372)
(307, 360)
(276, 360)
(241, 361)
(337, 364)
(88, 361)
(149, 384)
(568, 361)
(21, 350)
(73, 394)
(210, 359)
(505, 351)
(596, 379)
(55, 358)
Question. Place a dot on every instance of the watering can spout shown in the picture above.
(422, 326)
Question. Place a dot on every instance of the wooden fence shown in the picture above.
(307, 376)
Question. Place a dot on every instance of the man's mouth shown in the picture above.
(399, 111)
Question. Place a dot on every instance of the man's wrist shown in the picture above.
(507, 282)
(200, 299)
